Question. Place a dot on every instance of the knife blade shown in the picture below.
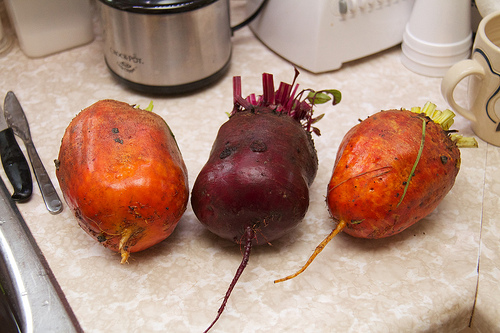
(14, 163)
(16, 119)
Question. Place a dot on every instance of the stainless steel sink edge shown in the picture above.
(38, 300)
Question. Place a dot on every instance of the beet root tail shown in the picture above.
(249, 236)
(125, 254)
(340, 226)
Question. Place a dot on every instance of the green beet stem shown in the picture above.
(416, 162)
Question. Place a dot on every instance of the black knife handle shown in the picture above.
(15, 165)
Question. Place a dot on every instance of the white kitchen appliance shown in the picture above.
(320, 35)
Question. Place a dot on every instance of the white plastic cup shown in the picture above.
(437, 36)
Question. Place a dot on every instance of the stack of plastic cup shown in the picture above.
(437, 36)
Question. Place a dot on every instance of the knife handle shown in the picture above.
(49, 194)
(15, 165)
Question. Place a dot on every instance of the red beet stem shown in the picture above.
(236, 88)
(282, 100)
(285, 100)
(249, 236)
(268, 86)
(238, 100)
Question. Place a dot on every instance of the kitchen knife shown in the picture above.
(16, 119)
(14, 163)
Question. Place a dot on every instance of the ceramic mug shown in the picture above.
(483, 72)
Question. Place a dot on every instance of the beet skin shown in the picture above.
(372, 168)
(258, 175)
(122, 174)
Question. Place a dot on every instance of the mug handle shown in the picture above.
(452, 78)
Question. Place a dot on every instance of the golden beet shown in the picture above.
(391, 171)
(123, 175)
(372, 172)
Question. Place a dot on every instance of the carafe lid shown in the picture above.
(157, 6)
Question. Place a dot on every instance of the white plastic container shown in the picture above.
(44, 27)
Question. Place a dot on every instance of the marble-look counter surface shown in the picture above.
(424, 279)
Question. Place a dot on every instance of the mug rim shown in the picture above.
(482, 29)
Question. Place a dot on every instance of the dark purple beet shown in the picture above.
(257, 176)
(254, 187)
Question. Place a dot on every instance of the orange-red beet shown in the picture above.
(122, 173)
(391, 170)
(373, 166)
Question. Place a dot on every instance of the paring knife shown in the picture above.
(15, 117)
(14, 163)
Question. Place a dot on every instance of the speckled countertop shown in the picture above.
(422, 280)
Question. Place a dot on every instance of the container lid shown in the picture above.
(157, 6)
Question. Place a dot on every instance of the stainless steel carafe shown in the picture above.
(161, 46)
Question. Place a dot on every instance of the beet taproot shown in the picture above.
(392, 170)
(254, 187)
(122, 174)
